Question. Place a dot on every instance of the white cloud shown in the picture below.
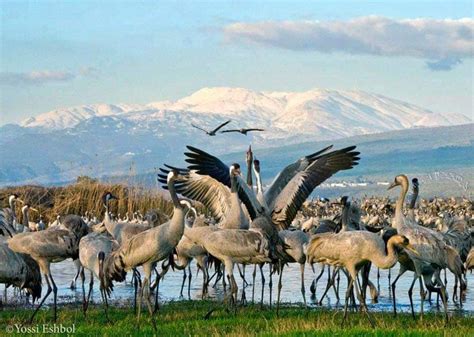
(35, 77)
(40, 77)
(432, 39)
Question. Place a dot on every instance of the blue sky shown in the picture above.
(58, 54)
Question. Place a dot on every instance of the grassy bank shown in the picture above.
(186, 319)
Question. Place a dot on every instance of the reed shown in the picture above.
(86, 195)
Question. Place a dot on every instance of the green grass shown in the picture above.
(186, 319)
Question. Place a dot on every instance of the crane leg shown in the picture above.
(314, 283)
(253, 282)
(410, 296)
(205, 278)
(55, 298)
(270, 284)
(394, 284)
(303, 291)
(91, 285)
(146, 294)
(48, 292)
(363, 304)
(103, 294)
(84, 302)
(280, 267)
(338, 279)
(189, 281)
(348, 293)
(77, 263)
(263, 283)
(389, 277)
(182, 284)
(378, 279)
(135, 291)
(244, 285)
(328, 285)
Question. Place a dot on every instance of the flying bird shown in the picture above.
(242, 131)
(212, 132)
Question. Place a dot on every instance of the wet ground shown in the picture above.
(170, 287)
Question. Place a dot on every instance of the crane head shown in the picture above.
(234, 170)
(173, 175)
(256, 165)
(14, 197)
(399, 180)
(107, 196)
(403, 241)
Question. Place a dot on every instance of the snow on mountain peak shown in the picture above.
(320, 113)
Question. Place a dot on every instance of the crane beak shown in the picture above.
(34, 209)
(392, 185)
(412, 249)
(22, 202)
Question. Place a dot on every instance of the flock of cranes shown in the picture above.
(247, 226)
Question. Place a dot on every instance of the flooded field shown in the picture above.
(170, 287)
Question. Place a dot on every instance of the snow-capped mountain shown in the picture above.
(325, 114)
(105, 139)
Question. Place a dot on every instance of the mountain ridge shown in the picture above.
(106, 140)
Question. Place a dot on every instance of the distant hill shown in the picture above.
(442, 158)
(113, 140)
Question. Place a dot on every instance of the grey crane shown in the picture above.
(234, 246)
(457, 239)
(89, 248)
(222, 202)
(17, 269)
(429, 244)
(51, 245)
(148, 247)
(12, 199)
(186, 251)
(243, 131)
(212, 132)
(352, 250)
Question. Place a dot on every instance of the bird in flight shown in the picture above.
(212, 132)
(242, 131)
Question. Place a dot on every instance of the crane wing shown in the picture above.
(230, 130)
(208, 191)
(7, 228)
(285, 175)
(199, 128)
(291, 198)
(220, 126)
(206, 164)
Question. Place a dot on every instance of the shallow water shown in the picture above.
(170, 286)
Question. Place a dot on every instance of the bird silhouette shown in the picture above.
(242, 131)
(212, 132)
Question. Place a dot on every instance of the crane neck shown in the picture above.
(414, 197)
(249, 174)
(401, 201)
(12, 207)
(233, 184)
(26, 219)
(174, 196)
(345, 217)
(388, 260)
